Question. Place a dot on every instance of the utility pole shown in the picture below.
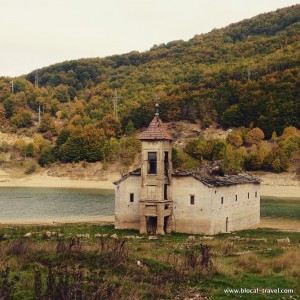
(249, 72)
(36, 79)
(12, 87)
(39, 111)
(115, 101)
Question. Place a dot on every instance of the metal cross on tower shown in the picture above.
(156, 98)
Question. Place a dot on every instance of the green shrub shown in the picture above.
(31, 168)
(22, 119)
(46, 158)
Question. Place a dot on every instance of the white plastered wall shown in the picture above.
(187, 217)
(127, 214)
(241, 211)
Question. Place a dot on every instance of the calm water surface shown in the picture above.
(17, 204)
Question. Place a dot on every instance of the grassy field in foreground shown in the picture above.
(273, 207)
(175, 266)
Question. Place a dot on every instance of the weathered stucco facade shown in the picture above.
(215, 208)
(154, 199)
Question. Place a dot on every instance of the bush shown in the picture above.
(47, 124)
(233, 160)
(4, 146)
(31, 168)
(20, 146)
(47, 157)
(254, 136)
(276, 161)
(129, 129)
(235, 139)
(29, 150)
(290, 131)
(2, 116)
(3, 158)
(22, 119)
(181, 160)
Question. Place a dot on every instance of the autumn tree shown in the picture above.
(22, 118)
(94, 143)
(47, 124)
(9, 107)
(129, 147)
(233, 160)
(2, 116)
(71, 150)
(254, 136)
(235, 139)
(111, 126)
(289, 131)
(112, 150)
(61, 93)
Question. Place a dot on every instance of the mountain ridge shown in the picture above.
(245, 74)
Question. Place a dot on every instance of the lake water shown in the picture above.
(32, 204)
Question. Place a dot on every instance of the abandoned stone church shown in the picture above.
(157, 200)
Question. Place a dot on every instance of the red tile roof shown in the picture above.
(156, 131)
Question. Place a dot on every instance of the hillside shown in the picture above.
(244, 76)
(247, 72)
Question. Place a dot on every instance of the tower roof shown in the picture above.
(156, 131)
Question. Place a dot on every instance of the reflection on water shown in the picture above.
(46, 203)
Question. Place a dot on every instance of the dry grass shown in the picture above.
(251, 261)
(288, 262)
(21, 247)
(227, 268)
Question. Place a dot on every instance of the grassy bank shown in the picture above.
(288, 208)
(65, 262)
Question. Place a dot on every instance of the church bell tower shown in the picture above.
(156, 172)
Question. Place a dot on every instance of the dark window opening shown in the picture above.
(152, 163)
(255, 194)
(222, 200)
(192, 199)
(166, 192)
(235, 197)
(248, 195)
(131, 197)
(166, 206)
(166, 164)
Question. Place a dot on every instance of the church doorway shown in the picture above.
(227, 225)
(151, 225)
(166, 220)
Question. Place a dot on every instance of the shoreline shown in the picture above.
(43, 180)
(282, 191)
(273, 185)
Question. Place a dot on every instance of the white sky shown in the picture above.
(37, 33)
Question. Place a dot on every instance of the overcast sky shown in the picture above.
(37, 33)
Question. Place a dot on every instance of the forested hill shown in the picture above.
(245, 73)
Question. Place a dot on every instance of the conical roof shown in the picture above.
(156, 131)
